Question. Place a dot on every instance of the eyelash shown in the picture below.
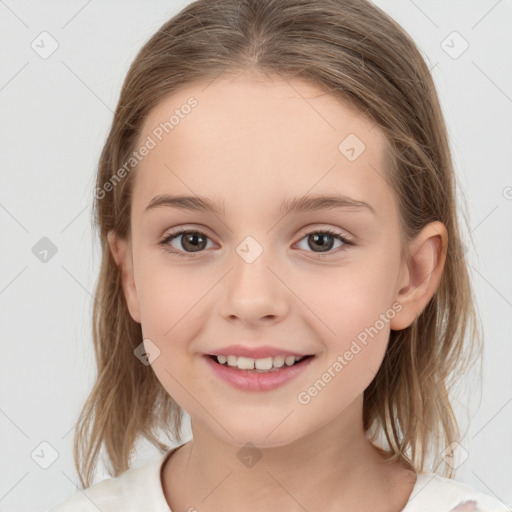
(171, 236)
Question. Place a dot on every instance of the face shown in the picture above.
(320, 282)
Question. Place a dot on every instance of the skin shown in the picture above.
(253, 143)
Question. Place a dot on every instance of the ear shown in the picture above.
(122, 254)
(420, 277)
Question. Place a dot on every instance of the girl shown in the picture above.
(282, 261)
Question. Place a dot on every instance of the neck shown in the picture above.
(331, 467)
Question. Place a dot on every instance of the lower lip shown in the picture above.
(247, 380)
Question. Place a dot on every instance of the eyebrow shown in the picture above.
(309, 203)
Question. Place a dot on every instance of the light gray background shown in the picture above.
(55, 114)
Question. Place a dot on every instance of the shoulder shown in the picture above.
(433, 493)
(137, 489)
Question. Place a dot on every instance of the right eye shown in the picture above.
(192, 240)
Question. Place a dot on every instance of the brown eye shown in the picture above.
(189, 241)
(193, 242)
(322, 241)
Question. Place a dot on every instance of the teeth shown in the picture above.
(265, 364)
(245, 363)
(289, 360)
(278, 361)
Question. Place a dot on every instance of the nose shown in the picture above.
(255, 291)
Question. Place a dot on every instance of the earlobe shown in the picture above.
(420, 277)
(121, 253)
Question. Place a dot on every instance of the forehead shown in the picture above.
(239, 137)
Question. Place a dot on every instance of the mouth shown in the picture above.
(263, 365)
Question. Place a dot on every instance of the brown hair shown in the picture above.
(354, 50)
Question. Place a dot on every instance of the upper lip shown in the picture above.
(259, 352)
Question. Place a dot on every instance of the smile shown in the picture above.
(264, 374)
(266, 364)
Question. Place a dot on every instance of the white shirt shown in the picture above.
(140, 490)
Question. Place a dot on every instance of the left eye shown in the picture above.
(324, 240)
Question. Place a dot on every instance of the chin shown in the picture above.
(257, 434)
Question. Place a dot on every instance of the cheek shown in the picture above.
(351, 297)
(167, 296)
(353, 308)
(172, 317)
(354, 313)
(175, 310)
